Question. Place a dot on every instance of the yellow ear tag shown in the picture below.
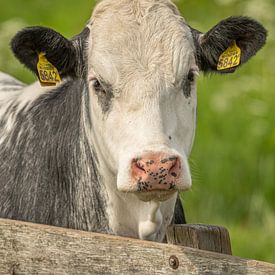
(230, 58)
(47, 73)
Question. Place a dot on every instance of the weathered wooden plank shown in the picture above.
(37, 249)
(200, 236)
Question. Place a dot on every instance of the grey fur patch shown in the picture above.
(10, 82)
(10, 89)
(10, 85)
(86, 98)
(105, 101)
(105, 96)
(48, 173)
(80, 43)
(187, 88)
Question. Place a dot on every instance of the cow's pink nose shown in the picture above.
(156, 172)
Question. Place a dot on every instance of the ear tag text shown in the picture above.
(47, 73)
(230, 58)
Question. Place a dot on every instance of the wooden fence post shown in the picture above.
(199, 236)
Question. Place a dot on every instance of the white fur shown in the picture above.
(145, 59)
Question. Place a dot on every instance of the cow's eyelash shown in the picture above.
(191, 76)
(97, 85)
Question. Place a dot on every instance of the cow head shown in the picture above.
(139, 60)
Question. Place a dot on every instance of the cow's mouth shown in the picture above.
(155, 195)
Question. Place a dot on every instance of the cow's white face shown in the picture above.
(141, 75)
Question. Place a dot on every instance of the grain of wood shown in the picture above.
(38, 249)
(200, 236)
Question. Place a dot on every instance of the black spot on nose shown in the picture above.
(173, 174)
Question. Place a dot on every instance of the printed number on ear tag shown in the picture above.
(47, 73)
(230, 58)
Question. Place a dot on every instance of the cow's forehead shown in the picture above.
(140, 37)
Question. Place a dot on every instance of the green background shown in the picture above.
(233, 159)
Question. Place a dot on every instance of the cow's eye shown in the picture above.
(97, 86)
(191, 76)
(103, 92)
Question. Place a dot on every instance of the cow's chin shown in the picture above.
(161, 195)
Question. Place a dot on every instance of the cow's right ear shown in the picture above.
(59, 51)
(229, 44)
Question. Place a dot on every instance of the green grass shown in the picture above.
(233, 161)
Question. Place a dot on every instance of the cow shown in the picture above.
(104, 145)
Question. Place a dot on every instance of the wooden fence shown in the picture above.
(27, 248)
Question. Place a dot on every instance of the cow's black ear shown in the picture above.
(245, 33)
(64, 54)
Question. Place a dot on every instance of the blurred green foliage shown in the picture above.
(233, 161)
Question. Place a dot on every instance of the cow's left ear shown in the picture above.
(64, 54)
(229, 44)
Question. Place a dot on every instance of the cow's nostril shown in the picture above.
(174, 174)
(170, 163)
(138, 168)
(139, 164)
(174, 161)
(175, 168)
